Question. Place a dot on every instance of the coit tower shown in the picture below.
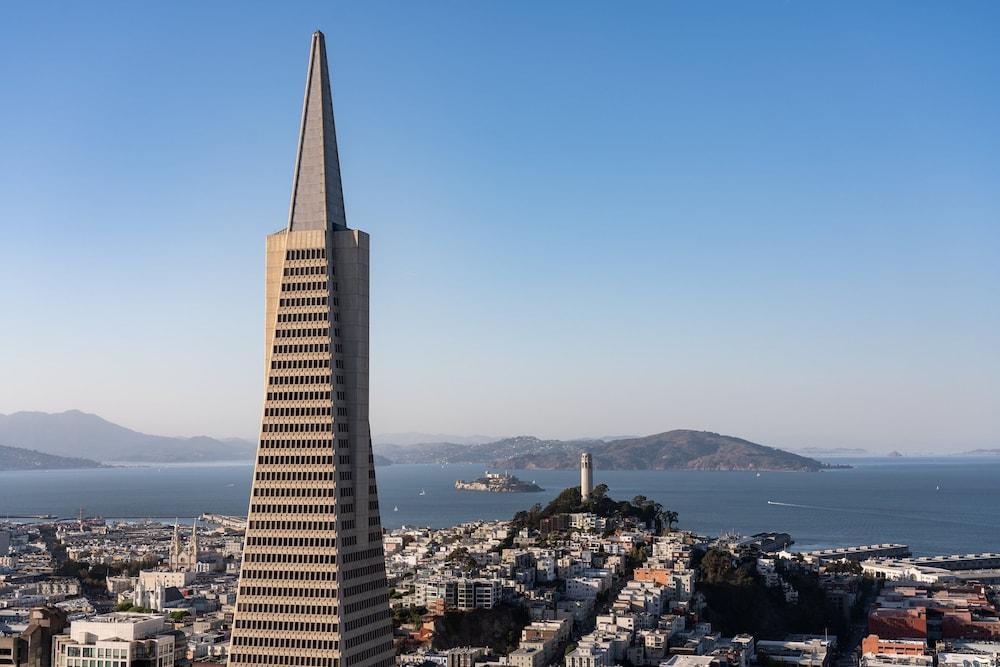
(312, 590)
(586, 475)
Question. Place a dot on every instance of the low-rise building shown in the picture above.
(119, 640)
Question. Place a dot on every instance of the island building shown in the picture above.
(586, 475)
(312, 590)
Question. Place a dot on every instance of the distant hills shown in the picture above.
(79, 439)
(16, 458)
(64, 436)
(74, 434)
(981, 452)
(832, 451)
(413, 438)
(673, 450)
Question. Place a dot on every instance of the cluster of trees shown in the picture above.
(407, 615)
(738, 600)
(94, 576)
(499, 628)
(571, 501)
(460, 558)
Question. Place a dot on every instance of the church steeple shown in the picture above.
(175, 547)
(194, 546)
(317, 193)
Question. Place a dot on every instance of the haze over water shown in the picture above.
(942, 505)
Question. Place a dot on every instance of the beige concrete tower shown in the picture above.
(312, 586)
(586, 475)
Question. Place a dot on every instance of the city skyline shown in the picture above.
(799, 250)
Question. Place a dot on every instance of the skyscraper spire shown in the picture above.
(317, 194)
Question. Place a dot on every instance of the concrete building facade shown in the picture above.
(312, 589)
(119, 640)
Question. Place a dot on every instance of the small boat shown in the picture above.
(395, 508)
(758, 474)
(422, 492)
(937, 488)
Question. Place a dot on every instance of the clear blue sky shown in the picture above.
(779, 220)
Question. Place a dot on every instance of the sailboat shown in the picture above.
(395, 508)
(422, 492)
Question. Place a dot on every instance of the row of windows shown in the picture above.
(307, 287)
(366, 637)
(303, 348)
(321, 316)
(305, 443)
(304, 396)
(288, 592)
(282, 659)
(312, 559)
(296, 428)
(288, 475)
(294, 302)
(303, 412)
(360, 605)
(297, 492)
(284, 626)
(318, 270)
(375, 536)
(293, 525)
(295, 460)
(306, 253)
(281, 642)
(363, 571)
(323, 542)
(305, 333)
(367, 620)
(362, 555)
(291, 575)
(294, 509)
(296, 609)
(300, 363)
(303, 379)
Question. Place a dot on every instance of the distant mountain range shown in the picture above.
(832, 451)
(412, 438)
(679, 449)
(51, 440)
(16, 458)
(64, 436)
(75, 434)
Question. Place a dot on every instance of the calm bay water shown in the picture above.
(944, 505)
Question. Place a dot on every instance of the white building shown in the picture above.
(118, 640)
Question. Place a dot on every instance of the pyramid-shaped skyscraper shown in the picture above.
(312, 588)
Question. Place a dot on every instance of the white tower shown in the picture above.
(586, 475)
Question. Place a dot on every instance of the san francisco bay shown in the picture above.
(936, 505)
